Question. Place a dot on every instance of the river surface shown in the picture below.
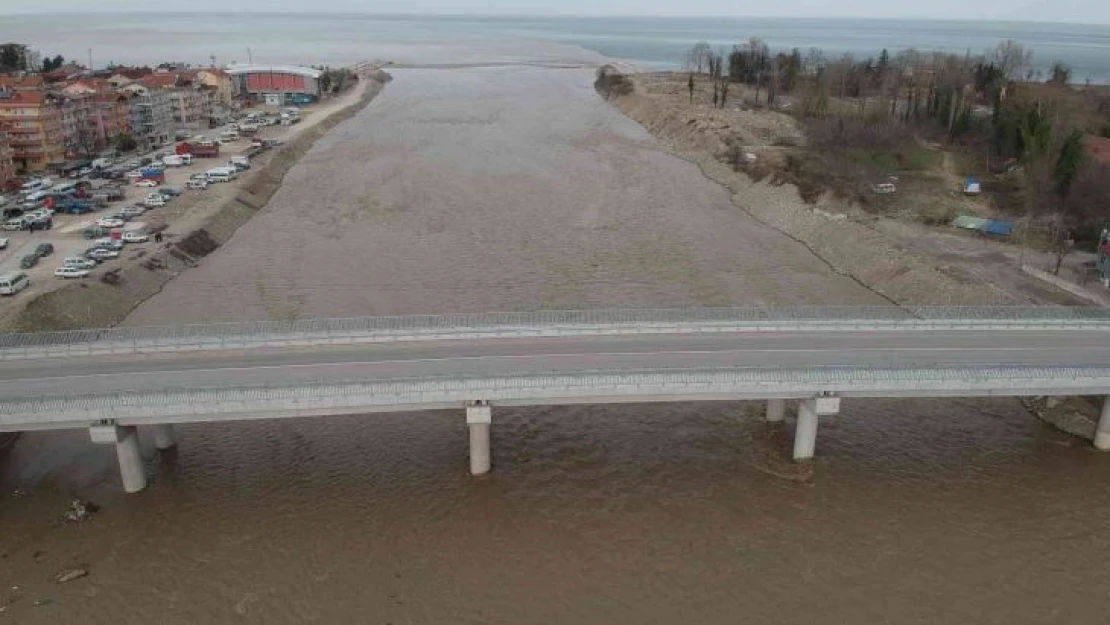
(516, 188)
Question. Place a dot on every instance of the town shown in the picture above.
(122, 141)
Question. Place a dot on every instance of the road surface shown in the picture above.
(60, 378)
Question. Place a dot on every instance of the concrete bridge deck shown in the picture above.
(114, 380)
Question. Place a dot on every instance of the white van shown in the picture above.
(229, 136)
(173, 160)
(13, 283)
(218, 175)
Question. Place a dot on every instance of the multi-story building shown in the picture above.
(192, 108)
(151, 116)
(112, 117)
(219, 82)
(78, 123)
(7, 165)
(33, 121)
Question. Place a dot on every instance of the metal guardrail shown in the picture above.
(545, 323)
(209, 404)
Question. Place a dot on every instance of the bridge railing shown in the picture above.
(308, 332)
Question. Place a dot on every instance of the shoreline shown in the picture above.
(107, 301)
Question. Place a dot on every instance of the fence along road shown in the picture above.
(112, 381)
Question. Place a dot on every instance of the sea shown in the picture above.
(649, 42)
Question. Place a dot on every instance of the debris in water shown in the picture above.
(69, 575)
(79, 510)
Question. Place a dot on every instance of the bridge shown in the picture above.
(114, 381)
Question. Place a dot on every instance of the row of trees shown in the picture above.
(997, 98)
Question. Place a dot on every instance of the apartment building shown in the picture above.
(151, 115)
(33, 121)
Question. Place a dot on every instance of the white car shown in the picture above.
(146, 183)
(3, 244)
(133, 211)
(78, 262)
(71, 272)
(135, 237)
(103, 254)
(155, 201)
(198, 184)
(108, 242)
(109, 222)
(134, 174)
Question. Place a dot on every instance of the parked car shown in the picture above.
(3, 244)
(101, 253)
(198, 184)
(42, 250)
(198, 177)
(70, 272)
(79, 262)
(16, 223)
(146, 183)
(134, 174)
(133, 211)
(41, 223)
(28, 261)
(13, 283)
(109, 222)
(170, 191)
(135, 237)
(85, 171)
(155, 200)
(108, 242)
(135, 164)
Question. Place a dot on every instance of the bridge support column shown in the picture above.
(163, 436)
(805, 432)
(478, 419)
(126, 440)
(776, 409)
(1102, 431)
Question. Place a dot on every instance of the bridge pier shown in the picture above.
(805, 432)
(1102, 431)
(776, 410)
(163, 436)
(478, 419)
(126, 440)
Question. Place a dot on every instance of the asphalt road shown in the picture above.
(228, 369)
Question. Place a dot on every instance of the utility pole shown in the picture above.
(250, 59)
(90, 59)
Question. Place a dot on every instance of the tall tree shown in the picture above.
(1061, 74)
(1069, 163)
(13, 57)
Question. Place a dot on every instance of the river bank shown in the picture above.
(907, 264)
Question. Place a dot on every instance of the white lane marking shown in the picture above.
(548, 356)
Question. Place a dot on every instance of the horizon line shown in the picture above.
(508, 16)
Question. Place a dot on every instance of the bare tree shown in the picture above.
(1012, 59)
(699, 57)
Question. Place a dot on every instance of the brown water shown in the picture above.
(512, 189)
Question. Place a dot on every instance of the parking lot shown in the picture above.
(67, 234)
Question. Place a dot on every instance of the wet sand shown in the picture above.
(482, 189)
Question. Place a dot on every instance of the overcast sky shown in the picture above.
(1078, 11)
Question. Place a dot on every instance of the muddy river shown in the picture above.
(517, 188)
